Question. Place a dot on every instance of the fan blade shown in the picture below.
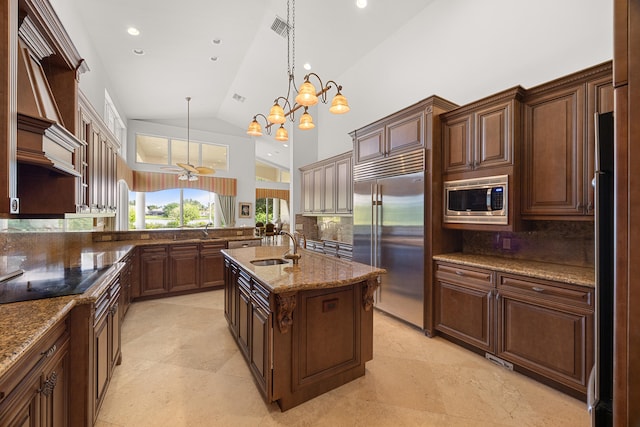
(170, 168)
(204, 170)
(187, 167)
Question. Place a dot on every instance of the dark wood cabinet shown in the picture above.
(126, 279)
(260, 338)
(559, 141)
(184, 268)
(211, 264)
(35, 391)
(154, 270)
(244, 311)
(547, 328)
(106, 337)
(231, 295)
(403, 131)
(464, 307)
(483, 134)
(541, 327)
(95, 350)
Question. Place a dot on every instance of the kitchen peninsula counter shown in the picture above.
(303, 329)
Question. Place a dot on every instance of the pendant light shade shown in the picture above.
(276, 114)
(339, 104)
(254, 128)
(306, 121)
(282, 134)
(307, 94)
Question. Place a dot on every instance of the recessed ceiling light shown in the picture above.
(133, 31)
(285, 145)
(213, 58)
(269, 154)
(307, 66)
(361, 3)
(216, 41)
(138, 52)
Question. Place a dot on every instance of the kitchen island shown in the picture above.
(303, 328)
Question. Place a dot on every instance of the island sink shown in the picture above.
(270, 261)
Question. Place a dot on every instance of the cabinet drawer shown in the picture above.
(47, 347)
(153, 250)
(260, 293)
(464, 275)
(551, 291)
(190, 247)
(212, 247)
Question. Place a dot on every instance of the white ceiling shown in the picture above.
(252, 59)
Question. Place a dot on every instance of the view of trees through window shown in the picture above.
(162, 208)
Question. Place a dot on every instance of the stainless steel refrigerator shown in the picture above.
(388, 232)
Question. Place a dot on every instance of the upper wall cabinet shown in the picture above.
(327, 186)
(400, 132)
(559, 144)
(483, 134)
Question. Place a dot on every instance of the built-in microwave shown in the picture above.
(482, 200)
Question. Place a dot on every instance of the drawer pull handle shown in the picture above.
(49, 384)
(460, 273)
(49, 352)
(537, 289)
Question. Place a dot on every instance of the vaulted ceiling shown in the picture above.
(182, 58)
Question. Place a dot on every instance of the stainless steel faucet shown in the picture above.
(295, 256)
(206, 230)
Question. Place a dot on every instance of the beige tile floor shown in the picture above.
(181, 368)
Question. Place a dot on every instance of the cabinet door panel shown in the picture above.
(493, 139)
(329, 173)
(260, 339)
(405, 134)
(244, 311)
(211, 269)
(457, 144)
(369, 146)
(101, 362)
(318, 190)
(154, 271)
(344, 192)
(549, 341)
(553, 147)
(465, 313)
(307, 187)
(184, 268)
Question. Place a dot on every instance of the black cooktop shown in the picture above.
(48, 284)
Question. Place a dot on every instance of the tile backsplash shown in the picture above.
(560, 242)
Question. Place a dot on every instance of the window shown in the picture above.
(180, 207)
(163, 151)
(266, 172)
(113, 120)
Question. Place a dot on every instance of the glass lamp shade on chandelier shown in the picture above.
(306, 95)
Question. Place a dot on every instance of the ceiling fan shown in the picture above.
(189, 172)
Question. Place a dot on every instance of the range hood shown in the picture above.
(47, 151)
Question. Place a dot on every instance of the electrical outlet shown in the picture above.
(239, 233)
(144, 236)
(107, 238)
(506, 243)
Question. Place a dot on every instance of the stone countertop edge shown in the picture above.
(314, 270)
(582, 276)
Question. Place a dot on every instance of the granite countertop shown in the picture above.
(583, 276)
(313, 271)
(22, 324)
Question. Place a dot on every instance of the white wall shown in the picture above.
(463, 50)
(242, 165)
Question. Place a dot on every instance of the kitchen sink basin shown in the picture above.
(271, 261)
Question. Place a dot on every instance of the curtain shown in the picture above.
(228, 209)
(153, 181)
(272, 193)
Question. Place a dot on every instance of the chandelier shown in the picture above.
(306, 97)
